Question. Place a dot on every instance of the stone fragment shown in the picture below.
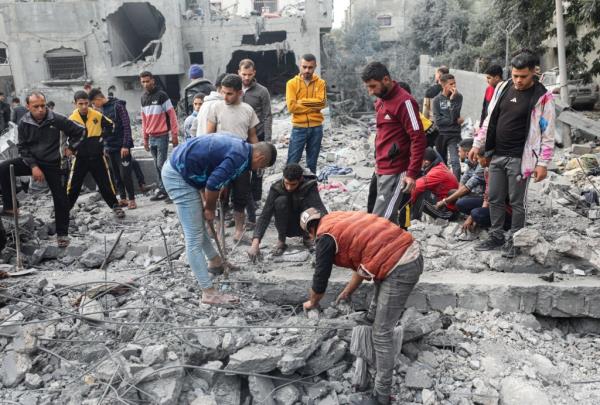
(581, 149)
(526, 237)
(421, 326)
(328, 354)
(290, 363)
(33, 381)
(204, 400)
(428, 397)
(417, 377)
(545, 368)
(287, 395)
(261, 390)
(227, 390)
(154, 354)
(516, 391)
(131, 350)
(256, 359)
(540, 251)
(207, 375)
(14, 367)
(164, 391)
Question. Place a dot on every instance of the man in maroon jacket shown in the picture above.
(400, 141)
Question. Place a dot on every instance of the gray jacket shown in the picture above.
(445, 114)
(259, 99)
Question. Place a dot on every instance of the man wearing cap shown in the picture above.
(374, 249)
(198, 84)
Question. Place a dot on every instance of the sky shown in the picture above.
(339, 7)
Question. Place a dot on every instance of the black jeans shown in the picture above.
(121, 172)
(137, 170)
(425, 203)
(54, 177)
(287, 220)
(98, 167)
(240, 192)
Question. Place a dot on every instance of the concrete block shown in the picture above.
(439, 302)
(504, 299)
(581, 149)
(474, 299)
(417, 299)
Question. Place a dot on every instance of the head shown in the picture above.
(147, 81)
(2, 96)
(448, 83)
(82, 102)
(51, 104)
(464, 147)
(219, 81)
(97, 98)
(36, 105)
(439, 72)
(264, 155)
(247, 72)
(195, 72)
(493, 75)
(308, 64)
(293, 175)
(231, 89)
(87, 86)
(405, 86)
(16, 101)
(429, 157)
(377, 79)
(198, 101)
(523, 70)
(482, 160)
(309, 221)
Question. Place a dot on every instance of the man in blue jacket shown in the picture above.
(208, 163)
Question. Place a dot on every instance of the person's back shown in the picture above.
(205, 111)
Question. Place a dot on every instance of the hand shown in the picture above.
(308, 305)
(124, 153)
(37, 174)
(147, 146)
(254, 251)
(485, 162)
(409, 184)
(344, 296)
(540, 173)
(473, 154)
(460, 120)
(68, 152)
(440, 204)
(209, 214)
(469, 224)
(175, 142)
(453, 93)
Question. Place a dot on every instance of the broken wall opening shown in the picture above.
(134, 33)
(264, 38)
(65, 64)
(273, 68)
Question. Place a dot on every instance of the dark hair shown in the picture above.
(200, 96)
(1, 94)
(293, 172)
(374, 71)
(246, 64)
(405, 86)
(268, 150)
(494, 70)
(34, 93)
(16, 100)
(218, 82)
(81, 95)
(524, 60)
(51, 104)
(95, 93)
(146, 73)
(466, 144)
(232, 81)
(446, 77)
(430, 154)
(309, 57)
(443, 70)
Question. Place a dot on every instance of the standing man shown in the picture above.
(89, 156)
(18, 111)
(518, 137)
(433, 91)
(374, 249)
(158, 119)
(400, 141)
(4, 113)
(207, 164)
(257, 96)
(446, 108)
(197, 84)
(40, 157)
(493, 77)
(306, 96)
(117, 144)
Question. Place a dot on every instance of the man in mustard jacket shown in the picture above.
(306, 96)
(89, 156)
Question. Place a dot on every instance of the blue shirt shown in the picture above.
(212, 161)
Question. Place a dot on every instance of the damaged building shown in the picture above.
(56, 47)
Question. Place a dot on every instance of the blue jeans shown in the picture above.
(309, 137)
(467, 204)
(191, 216)
(159, 148)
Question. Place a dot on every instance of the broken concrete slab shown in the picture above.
(14, 367)
(517, 391)
(164, 391)
(328, 354)
(417, 377)
(262, 390)
(227, 390)
(255, 358)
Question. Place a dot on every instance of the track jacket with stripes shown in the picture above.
(158, 115)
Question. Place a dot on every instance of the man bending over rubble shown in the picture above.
(288, 198)
(39, 156)
(208, 163)
(375, 249)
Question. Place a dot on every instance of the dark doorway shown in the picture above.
(273, 68)
(170, 84)
(265, 38)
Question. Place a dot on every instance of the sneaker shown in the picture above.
(160, 195)
(489, 244)
(509, 250)
(168, 200)
(250, 225)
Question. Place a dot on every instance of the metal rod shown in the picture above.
(13, 189)
(112, 249)
(166, 250)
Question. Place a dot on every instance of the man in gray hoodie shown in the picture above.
(199, 124)
(446, 114)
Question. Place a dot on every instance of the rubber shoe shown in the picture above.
(160, 195)
(489, 244)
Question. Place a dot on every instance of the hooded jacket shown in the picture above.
(196, 86)
(305, 101)
(39, 143)
(199, 124)
(158, 115)
(259, 99)
(96, 126)
(304, 197)
(539, 145)
(116, 110)
(439, 180)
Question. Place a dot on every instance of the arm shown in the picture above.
(168, 109)
(352, 285)
(265, 216)
(313, 199)
(427, 108)
(13, 116)
(414, 128)
(194, 127)
(224, 173)
(23, 146)
(145, 134)
(420, 187)
(211, 120)
(547, 124)
(106, 123)
(73, 131)
(211, 127)
(455, 107)
(461, 192)
(440, 120)
(267, 118)
(252, 138)
(325, 252)
(294, 107)
(125, 124)
(319, 101)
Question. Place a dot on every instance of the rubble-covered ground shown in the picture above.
(77, 331)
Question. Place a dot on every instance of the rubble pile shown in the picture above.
(116, 317)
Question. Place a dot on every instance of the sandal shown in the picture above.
(123, 203)
(279, 250)
(62, 242)
(220, 299)
(119, 213)
(132, 205)
(217, 270)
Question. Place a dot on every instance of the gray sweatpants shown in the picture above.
(386, 308)
(506, 183)
(389, 196)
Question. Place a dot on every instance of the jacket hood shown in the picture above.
(314, 78)
(196, 82)
(27, 118)
(114, 100)
(213, 96)
(433, 164)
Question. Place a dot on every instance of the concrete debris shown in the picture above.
(256, 359)
(516, 391)
(262, 390)
(14, 368)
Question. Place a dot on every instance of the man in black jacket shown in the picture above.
(287, 199)
(40, 156)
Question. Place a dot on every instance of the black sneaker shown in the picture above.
(168, 200)
(160, 195)
(489, 244)
(509, 250)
